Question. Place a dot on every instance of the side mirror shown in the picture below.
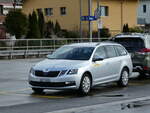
(97, 59)
(47, 56)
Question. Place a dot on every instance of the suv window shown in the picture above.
(131, 44)
(148, 43)
(121, 51)
(110, 51)
(100, 53)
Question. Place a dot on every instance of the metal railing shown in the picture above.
(38, 47)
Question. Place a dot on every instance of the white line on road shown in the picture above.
(98, 106)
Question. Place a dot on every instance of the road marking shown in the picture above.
(98, 106)
(16, 92)
(50, 97)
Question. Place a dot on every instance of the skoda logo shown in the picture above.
(46, 70)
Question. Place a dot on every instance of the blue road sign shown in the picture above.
(88, 18)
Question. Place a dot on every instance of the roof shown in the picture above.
(6, 1)
(86, 44)
(132, 35)
(10, 1)
(93, 44)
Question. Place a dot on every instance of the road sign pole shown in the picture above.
(90, 14)
(98, 30)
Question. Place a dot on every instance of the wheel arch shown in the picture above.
(90, 75)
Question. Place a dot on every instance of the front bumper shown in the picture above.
(63, 82)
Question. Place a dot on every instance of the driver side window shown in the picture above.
(100, 53)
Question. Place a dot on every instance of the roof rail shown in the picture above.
(142, 34)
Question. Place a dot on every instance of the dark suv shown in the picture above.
(138, 45)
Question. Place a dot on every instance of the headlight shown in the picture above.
(32, 71)
(72, 71)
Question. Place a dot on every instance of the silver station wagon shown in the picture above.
(81, 66)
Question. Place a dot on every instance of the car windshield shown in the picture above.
(131, 44)
(72, 53)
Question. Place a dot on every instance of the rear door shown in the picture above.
(114, 62)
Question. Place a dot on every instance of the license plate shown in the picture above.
(44, 80)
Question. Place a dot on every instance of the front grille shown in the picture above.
(51, 84)
(47, 74)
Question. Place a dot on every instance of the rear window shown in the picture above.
(110, 51)
(131, 44)
(121, 51)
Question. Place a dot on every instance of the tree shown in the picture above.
(57, 27)
(125, 28)
(29, 34)
(16, 23)
(49, 29)
(34, 31)
(41, 23)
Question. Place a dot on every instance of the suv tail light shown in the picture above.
(145, 68)
(144, 50)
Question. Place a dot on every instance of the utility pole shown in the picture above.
(90, 14)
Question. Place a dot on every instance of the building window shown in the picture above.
(144, 8)
(1, 9)
(104, 10)
(48, 11)
(63, 10)
(39, 10)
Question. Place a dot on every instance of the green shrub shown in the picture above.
(136, 30)
(16, 23)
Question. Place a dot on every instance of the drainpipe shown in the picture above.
(121, 15)
(80, 2)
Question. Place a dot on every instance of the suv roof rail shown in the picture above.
(141, 34)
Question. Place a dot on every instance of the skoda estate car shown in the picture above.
(81, 66)
(138, 45)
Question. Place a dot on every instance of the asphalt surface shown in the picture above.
(17, 97)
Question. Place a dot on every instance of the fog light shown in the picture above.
(70, 83)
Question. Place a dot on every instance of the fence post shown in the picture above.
(40, 47)
(27, 44)
(11, 56)
(54, 46)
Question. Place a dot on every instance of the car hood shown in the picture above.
(52, 64)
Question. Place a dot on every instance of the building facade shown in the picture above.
(114, 13)
(143, 12)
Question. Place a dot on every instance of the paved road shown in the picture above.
(17, 97)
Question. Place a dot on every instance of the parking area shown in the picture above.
(15, 91)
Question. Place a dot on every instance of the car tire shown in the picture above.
(38, 90)
(85, 84)
(124, 78)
